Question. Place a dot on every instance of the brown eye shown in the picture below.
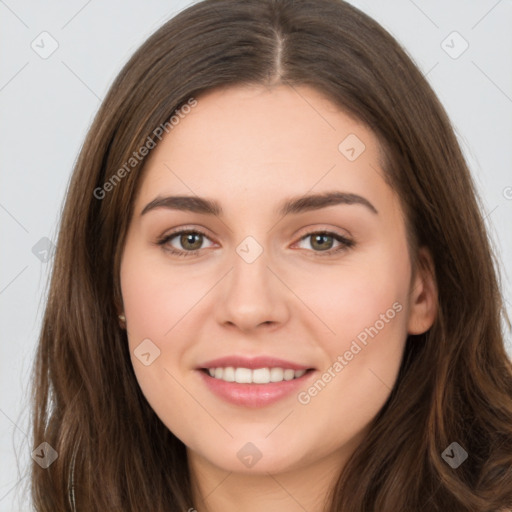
(191, 240)
(184, 242)
(321, 242)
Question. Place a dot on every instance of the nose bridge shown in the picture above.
(252, 295)
(250, 266)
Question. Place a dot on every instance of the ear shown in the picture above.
(423, 294)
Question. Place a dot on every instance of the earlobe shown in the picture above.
(423, 295)
(122, 321)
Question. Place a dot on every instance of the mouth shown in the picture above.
(254, 382)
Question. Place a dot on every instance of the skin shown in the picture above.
(250, 148)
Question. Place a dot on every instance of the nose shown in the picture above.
(252, 296)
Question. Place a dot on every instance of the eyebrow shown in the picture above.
(293, 205)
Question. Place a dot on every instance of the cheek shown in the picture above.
(355, 297)
(158, 304)
(369, 324)
(155, 297)
(366, 308)
(154, 303)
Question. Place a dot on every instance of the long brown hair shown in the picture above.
(455, 381)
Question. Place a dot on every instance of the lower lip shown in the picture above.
(253, 395)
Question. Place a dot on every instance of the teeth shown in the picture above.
(289, 374)
(261, 375)
(242, 375)
(229, 374)
(258, 376)
(276, 374)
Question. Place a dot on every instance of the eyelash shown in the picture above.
(345, 242)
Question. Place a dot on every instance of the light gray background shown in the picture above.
(48, 104)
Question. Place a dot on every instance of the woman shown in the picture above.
(330, 340)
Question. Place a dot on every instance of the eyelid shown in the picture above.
(185, 229)
(312, 229)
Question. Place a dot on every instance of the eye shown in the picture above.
(191, 240)
(322, 242)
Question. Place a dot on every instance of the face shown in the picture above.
(301, 315)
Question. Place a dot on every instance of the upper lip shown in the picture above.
(252, 363)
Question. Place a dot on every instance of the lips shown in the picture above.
(288, 377)
(253, 363)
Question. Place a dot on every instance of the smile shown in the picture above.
(257, 376)
(254, 388)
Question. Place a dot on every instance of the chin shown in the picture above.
(257, 457)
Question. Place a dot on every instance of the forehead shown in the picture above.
(267, 143)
